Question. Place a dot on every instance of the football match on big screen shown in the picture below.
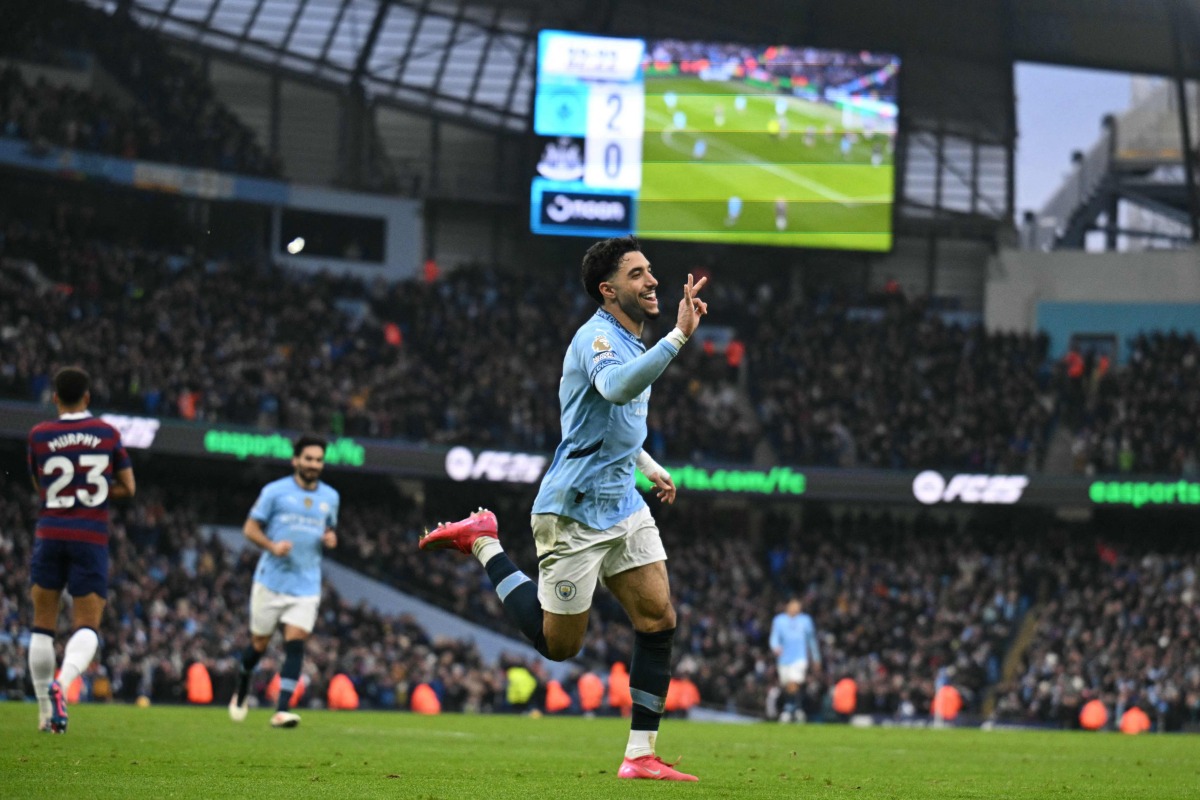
(716, 142)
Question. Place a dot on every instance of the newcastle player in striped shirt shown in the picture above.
(78, 464)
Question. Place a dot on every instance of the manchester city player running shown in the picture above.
(293, 521)
(589, 521)
(794, 642)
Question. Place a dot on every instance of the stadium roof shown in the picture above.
(472, 62)
(473, 59)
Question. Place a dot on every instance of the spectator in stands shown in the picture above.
(172, 114)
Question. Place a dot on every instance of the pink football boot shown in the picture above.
(462, 534)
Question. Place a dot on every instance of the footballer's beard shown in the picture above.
(635, 308)
(308, 476)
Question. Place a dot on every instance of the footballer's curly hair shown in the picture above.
(601, 260)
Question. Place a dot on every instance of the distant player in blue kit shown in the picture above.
(733, 210)
(293, 521)
(78, 464)
(590, 524)
(794, 643)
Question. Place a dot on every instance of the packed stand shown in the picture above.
(175, 337)
(474, 358)
(898, 605)
(497, 345)
(1119, 627)
(1143, 417)
(175, 117)
(909, 604)
(897, 388)
(901, 606)
(893, 606)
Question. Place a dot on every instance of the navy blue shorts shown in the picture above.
(80, 566)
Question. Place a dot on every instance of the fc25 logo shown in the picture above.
(931, 488)
(494, 465)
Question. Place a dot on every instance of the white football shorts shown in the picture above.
(269, 608)
(793, 673)
(572, 557)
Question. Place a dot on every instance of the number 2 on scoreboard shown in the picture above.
(613, 150)
(614, 102)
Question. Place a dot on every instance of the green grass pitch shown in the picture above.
(834, 200)
(116, 751)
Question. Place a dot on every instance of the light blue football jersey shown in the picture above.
(796, 637)
(591, 478)
(288, 511)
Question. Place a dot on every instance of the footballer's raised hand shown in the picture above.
(691, 307)
(664, 487)
(281, 548)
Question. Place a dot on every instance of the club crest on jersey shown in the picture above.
(565, 590)
(600, 344)
(308, 502)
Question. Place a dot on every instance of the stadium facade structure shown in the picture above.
(1132, 184)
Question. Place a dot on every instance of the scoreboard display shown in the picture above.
(716, 142)
(588, 113)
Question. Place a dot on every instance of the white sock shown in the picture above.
(81, 649)
(641, 743)
(41, 670)
(485, 548)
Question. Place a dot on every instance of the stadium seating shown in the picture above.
(902, 606)
(171, 113)
(477, 361)
(1141, 418)
(1118, 627)
(897, 387)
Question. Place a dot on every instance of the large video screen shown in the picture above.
(703, 141)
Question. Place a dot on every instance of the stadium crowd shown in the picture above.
(474, 357)
(809, 70)
(902, 605)
(897, 603)
(170, 114)
(1142, 418)
(898, 388)
(1119, 626)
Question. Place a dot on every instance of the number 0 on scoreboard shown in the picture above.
(613, 147)
(589, 115)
